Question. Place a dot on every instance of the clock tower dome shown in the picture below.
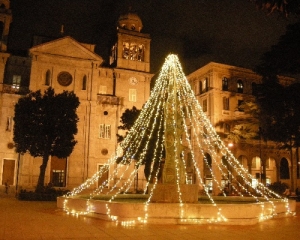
(132, 48)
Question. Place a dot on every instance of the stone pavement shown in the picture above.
(42, 220)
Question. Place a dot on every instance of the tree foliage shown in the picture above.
(284, 57)
(149, 146)
(127, 119)
(246, 127)
(45, 125)
(286, 7)
(281, 118)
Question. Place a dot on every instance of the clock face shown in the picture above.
(133, 81)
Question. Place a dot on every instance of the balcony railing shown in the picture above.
(108, 99)
(13, 89)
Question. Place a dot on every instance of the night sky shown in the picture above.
(199, 31)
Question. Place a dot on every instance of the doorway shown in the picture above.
(8, 171)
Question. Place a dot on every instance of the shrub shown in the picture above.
(278, 187)
(49, 194)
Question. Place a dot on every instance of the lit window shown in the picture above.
(132, 95)
(16, 82)
(102, 89)
(133, 51)
(126, 50)
(105, 131)
(240, 86)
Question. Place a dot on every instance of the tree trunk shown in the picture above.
(41, 180)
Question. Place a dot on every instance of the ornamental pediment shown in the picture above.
(66, 47)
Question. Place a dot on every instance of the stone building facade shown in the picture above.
(220, 90)
(105, 92)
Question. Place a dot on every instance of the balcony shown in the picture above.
(108, 99)
(226, 112)
(13, 89)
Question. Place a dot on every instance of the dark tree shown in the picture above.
(151, 147)
(279, 104)
(284, 57)
(45, 125)
(286, 7)
(127, 119)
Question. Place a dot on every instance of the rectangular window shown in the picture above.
(58, 178)
(105, 131)
(132, 95)
(204, 103)
(58, 171)
(200, 87)
(16, 82)
(102, 89)
(9, 124)
(225, 103)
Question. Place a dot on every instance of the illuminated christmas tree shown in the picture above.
(175, 136)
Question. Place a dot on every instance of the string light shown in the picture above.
(173, 111)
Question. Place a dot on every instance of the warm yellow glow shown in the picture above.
(198, 139)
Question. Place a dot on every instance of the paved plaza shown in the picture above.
(42, 220)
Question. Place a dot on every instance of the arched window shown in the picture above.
(141, 51)
(225, 84)
(240, 86)
(84, 82)
(207, 163)
(133, 51)
(48, 78)
(284, 169)
(225, 161)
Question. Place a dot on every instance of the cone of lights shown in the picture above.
(174, 137)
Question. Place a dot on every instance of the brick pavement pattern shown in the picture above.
(22, 220)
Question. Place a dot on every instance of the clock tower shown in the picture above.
(132, 48)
